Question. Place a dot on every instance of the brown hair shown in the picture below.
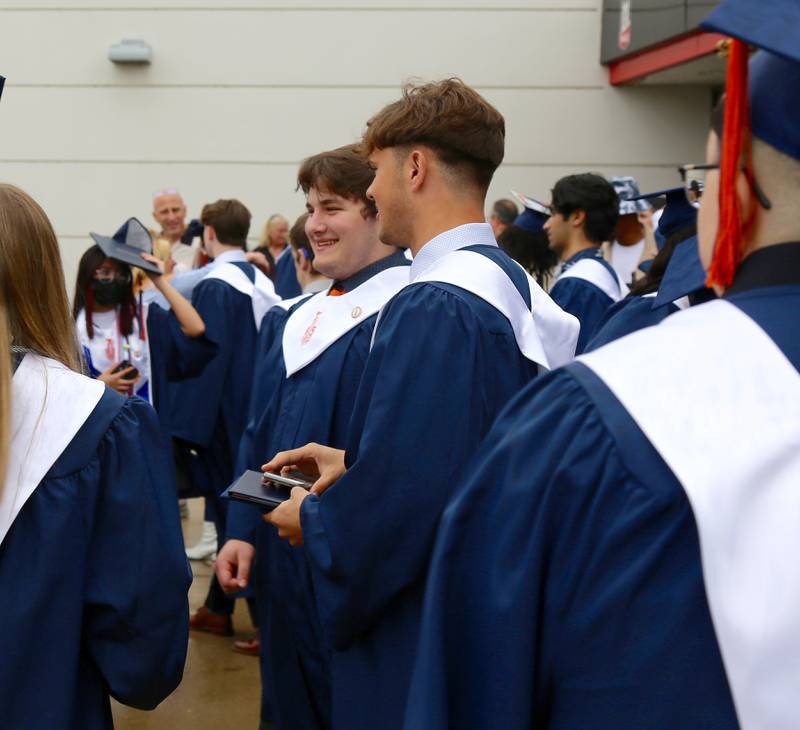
(230, 220)
(451, 118)
(298, 238)
(343, 171)
(34, 311)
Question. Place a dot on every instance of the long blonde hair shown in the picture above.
(34, 309)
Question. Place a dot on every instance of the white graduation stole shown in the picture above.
(545, 334)
(261, 292)
(720, 403)
(322, 320)
(593, 271)
(49, 404)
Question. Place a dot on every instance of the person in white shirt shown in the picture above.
(631, 232)
(169, 210)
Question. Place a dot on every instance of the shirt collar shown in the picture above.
(317, 285)
(230, 257)
(469, 234)
(594, 253)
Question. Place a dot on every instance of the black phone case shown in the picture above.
(123, 366)
(251, 487)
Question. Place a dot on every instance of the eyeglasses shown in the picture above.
(694, 183)
(121, 277)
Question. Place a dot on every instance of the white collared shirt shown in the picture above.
(469, 234)
(227, 257)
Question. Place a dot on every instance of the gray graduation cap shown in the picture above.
(127, 245)
(630, 198)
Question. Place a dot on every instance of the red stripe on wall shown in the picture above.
(670, 54)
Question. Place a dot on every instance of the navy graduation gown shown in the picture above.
(625, 316)
(244, 521)
(209, 410)
(94, 580)
(286, 284)
(566, 589)
(314, 404)
(583, 299)
(173, 356)
(443, 364)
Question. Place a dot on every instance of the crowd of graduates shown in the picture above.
(546, 463)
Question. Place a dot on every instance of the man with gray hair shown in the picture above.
(169, 210)
(504, 213)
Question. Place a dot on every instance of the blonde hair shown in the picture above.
(34, 311)
(268, 226)
(162, 250)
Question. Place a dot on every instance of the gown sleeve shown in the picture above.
(243, 519)
(627, 316)
(177, 355)
(369, 536)
(136, 607)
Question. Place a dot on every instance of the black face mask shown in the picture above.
(110, 293)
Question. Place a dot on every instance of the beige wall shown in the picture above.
(240, 91)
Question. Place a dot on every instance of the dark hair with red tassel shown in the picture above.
(736, 149)
(91, 260)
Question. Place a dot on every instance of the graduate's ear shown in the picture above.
(416, 167)
(577, 218)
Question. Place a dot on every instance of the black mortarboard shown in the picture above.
(534, 214)
(677, 213)
(127, 245)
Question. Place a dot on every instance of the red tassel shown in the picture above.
(88, 312)
(142, 328)
(735, 146)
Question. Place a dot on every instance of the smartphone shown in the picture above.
(288, 481)
(124, 365)
(254, 488)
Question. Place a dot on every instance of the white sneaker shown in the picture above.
(206, 546)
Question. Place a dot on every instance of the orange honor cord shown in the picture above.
(735, 146)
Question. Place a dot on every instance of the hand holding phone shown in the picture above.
(120, 377)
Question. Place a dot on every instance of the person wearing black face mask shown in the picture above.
(109, 324)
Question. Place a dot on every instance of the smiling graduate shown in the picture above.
(450, 349)
(311, 358)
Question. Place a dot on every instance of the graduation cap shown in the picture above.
(534, 214)
(631, 201)
(678, 212)
(768, 104)
(127, 245)
(684, 274)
